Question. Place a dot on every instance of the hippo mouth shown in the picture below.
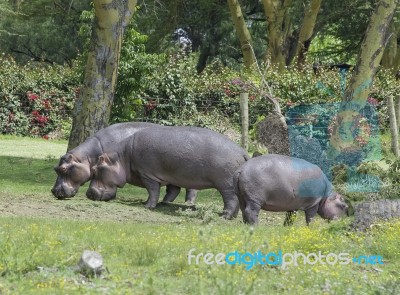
(62, 193)
(95, 194)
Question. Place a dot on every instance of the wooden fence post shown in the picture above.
(397, 110)
(393, 126)
(244, 117)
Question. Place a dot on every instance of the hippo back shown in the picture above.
(108, 139)
(187, 156)
(282, 183)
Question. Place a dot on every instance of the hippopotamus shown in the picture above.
(184, 156)
(74, 168)
(282, 183)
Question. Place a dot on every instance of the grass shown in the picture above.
(146, 251)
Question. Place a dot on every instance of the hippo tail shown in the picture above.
(238, 192)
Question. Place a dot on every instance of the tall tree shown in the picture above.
(307, 30)
(279, 29)
(339, 30)
(356, 94)
(93, 107)
(242, 32)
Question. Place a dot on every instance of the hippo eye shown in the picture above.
(63, 170)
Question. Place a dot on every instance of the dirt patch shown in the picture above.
(123, 209)
(80, 208)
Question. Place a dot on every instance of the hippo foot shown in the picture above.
(149, 205)
(168, 200)
(227, 215)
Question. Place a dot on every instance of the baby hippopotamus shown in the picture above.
(281, 183)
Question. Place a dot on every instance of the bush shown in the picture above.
(35, 100)
(134, 69)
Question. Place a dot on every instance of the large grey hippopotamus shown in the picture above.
(282, 183)
(183, 156)
(74, 168)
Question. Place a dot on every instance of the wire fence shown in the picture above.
(221, 115)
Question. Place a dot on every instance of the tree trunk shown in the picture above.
(391, 51)
(397, 111)
(279, 27)
(393, 126)
(93, 107)
(307, 30)
(242, 32)
(396, 66)
(356, 93)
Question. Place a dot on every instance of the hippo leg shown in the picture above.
(244, 215)
(251, 213)
(290, 217)
(190, 197)
(153, 188)
(231, 204)
(310, 213)
(172, 192)
(242, 205)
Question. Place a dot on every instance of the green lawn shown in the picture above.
(146, 251)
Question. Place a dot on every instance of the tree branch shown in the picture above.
(32, 55)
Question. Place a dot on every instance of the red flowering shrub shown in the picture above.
(35, 101)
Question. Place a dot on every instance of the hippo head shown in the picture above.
(71, 174)
(108, 174)
(333, 207)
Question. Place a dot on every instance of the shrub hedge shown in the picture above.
(36, 99)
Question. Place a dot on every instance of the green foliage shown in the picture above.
(393, 172)
(175, 94)
(339, 31)
(134, 68)
(35, 100)
(42, 30)
(368, 174)
(384, 85)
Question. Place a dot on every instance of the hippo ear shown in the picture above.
(70, 158)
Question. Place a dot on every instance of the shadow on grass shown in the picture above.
(173, 209)
(208, 200)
